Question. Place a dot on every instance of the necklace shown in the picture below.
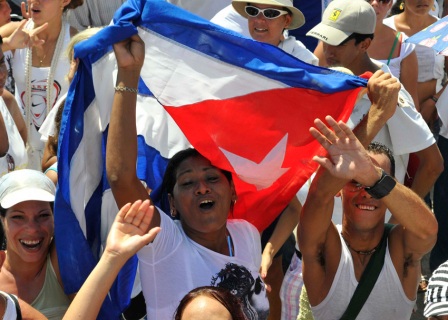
(50, 77)
(361, 252)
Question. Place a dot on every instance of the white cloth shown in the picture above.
(39, 94)
(174, 264)
(442, 110)
(291, 289)
(10, 312)
(297, 49)
(386, 301)
(230, 19)
(203, 8)
(430, 64)
(93, 13)
(48, 128)
(16, 157)
(405, 50)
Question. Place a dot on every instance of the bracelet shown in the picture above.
(435, 99)
(126, 89)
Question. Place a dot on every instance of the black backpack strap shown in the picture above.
(16, 303)
(368, 278)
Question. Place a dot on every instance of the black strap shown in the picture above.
(16, 303)
(368, 278)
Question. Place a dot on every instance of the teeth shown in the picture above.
(30, 242)
(206, 201)
(366, 207)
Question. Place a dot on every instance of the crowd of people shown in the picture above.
(349, 245)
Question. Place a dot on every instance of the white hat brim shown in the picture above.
(328, 34)
(26, 194)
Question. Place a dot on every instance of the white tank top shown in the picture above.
(39, 78)
(386, 301)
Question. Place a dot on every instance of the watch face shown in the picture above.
(383, 187)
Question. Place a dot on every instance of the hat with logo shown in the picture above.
(25, 185)
(298, 19)
(342, 18)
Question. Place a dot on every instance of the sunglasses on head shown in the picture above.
(379, 1)
(268, 13)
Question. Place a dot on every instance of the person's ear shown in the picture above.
(288, 20)
(365, 44)
(173, 211)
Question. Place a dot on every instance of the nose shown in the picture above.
(363, 193)
(202, 188)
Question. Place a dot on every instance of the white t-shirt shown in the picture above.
(174, 264)
(16, 157)
(205, 9)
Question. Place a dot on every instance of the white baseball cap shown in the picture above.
(342, 18)
(25, 185)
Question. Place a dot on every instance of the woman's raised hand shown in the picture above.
(130, 53)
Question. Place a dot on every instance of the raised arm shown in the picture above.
(121, 151)
(128, 234)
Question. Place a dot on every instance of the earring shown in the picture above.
(401, 6)
(173, 213)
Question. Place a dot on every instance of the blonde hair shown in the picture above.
(80, 36)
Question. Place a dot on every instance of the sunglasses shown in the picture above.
(268, 13)
(379, 1)
(354, 186)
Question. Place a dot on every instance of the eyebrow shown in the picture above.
(189, 170)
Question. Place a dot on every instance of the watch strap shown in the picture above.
(382, 187)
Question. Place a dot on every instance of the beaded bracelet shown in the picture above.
(126, 89)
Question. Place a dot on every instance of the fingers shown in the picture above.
(38, 30)
(25, 13)
(132, 211)
(121, 214)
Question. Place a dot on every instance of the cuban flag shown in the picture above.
(245, 105)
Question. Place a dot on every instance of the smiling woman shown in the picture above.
(30, 270)
(201, 246)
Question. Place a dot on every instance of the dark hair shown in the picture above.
(74, 4)
(358, 38)
(396, 8)
(169, 178)
(223, 296)
(54, 139)
(379, 148)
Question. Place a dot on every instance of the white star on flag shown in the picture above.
(263, 174)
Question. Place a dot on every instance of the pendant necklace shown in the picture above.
(361, 252)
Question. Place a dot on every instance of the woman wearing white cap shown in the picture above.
(31, 270)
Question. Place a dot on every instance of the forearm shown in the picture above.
(429, 168)
(121, 151)
(285, 226)
(409, 210)
(88, 300)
